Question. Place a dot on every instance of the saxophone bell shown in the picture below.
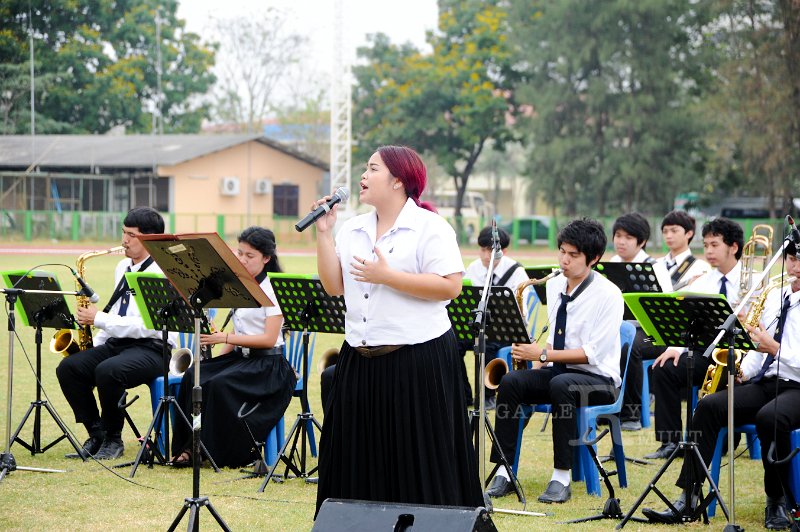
(180, 361)
(497, 368)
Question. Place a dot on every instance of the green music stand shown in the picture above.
(40, 304)
(308, 308)
(693, 320)
(162, 309)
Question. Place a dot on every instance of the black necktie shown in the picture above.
(126, 298)
(722, 288)
(561, 323)
(670, 264)
(778, 333)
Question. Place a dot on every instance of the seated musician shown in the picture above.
(250, 368)
(630, 234)
(674, 270)
(768, 396)
(723, 240)
(579, 366)
(125, 354)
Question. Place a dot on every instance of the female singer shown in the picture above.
(396, 428)
(251, 368)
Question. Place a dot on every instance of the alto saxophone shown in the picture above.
(498, 367)
(68, 341)
(715, 371)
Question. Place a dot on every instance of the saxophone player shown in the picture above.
(579, 366)
(124, 354)
(768, 397)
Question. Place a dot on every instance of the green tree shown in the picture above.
(755, 141)
(97, 68)
(612, 86)
(448, 103)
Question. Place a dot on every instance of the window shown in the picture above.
(284, 200)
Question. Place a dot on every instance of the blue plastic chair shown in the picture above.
(646, 392)
(294, 354)
(583, 467)
(174, 385)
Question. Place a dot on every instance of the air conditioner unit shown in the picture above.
(263, 186)
(229, 186)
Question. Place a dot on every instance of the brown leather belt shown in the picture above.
(377, 351)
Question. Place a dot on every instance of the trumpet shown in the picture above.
(497, 368)
(180, 361)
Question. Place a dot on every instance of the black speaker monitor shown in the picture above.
(347, 515)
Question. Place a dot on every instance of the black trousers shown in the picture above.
(491, 353)
(758, 403)
(112, 368)
(668, 383)
(326, 383)
(642, 349)
(564, 390)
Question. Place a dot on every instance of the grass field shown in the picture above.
(91, 496)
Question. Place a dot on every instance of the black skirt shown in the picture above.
(228, 381)
(397, 429)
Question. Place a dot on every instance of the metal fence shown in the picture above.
(77, 226)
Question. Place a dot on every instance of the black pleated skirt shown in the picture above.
(228, 381)
(397, 429)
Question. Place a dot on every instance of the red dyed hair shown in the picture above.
(406, 165)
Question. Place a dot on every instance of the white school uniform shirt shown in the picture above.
(112, 325)
(420, 241)
(250, 321)
(698, 267)
(709, 283)
(642, 256)
(593, 322)
(789, 352)
(476, 272)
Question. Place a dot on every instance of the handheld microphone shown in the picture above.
(795, 233)
(86, 290)
(341, 194)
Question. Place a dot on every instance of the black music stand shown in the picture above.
(503, 324)
(692, 320)
(630, 277)
(41, 310)
(204, 270)
(308, 308)
(162, 309)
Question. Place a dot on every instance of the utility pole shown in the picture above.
(341, 108)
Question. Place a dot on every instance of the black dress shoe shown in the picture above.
(776, 517)
(663, 452)
(89, 448)
(500, 487)
(111, 449)
(668, 517)
(555, 492)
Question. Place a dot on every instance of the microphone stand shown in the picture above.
(482, 318)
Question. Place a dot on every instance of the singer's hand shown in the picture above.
(374, 272)
(325, 223)
(85, 315)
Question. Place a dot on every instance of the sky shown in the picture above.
(402, 21)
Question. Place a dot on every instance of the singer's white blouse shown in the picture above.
(111, 324)
(420, 241)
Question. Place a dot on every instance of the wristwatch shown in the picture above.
(543, 356)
